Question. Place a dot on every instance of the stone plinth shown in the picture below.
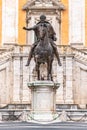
(43, 99)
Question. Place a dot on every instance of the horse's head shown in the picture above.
(42, 31)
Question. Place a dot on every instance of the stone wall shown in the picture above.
(14, 76)
(80, 84)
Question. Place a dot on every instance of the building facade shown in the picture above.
(69, 19)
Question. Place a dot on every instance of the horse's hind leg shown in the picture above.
(49, 70)
(38, 71)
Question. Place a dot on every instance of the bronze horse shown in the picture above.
(43, 52)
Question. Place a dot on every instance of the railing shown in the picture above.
(23, 50)
(26, 115)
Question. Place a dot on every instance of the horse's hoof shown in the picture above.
(27, 65)
(60, 64)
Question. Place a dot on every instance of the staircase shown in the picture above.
(7, 53)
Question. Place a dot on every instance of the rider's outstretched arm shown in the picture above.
(26, 28)
(29, 29)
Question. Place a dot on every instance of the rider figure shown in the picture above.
(52, 37)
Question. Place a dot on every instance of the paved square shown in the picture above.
(35, 126)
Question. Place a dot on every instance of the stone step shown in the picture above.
(63, 115)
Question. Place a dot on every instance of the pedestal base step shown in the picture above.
(43, 116)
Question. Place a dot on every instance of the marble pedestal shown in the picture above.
(43, 105)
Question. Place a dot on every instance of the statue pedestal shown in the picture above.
(43, 106)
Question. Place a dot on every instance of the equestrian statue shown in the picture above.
(44, 49)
